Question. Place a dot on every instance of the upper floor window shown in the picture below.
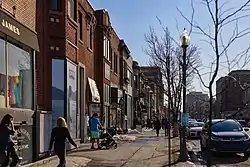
(106, 93)
(80, 25)
(106, 48)
(107, 71)
(89, 34)
(129, 75)
(115, 63)
(55, 4)
(72, 9)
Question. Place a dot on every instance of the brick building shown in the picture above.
(116, 91)
(18, 43)
(232, 92)
(103, 34)
(126, 82)
(154, 90)
(65, 65)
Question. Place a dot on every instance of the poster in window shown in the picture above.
(57, 90)
(71, 98)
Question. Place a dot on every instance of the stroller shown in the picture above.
(107, 138)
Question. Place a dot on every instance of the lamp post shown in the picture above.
(185, 41)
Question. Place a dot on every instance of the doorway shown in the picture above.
(81, 118)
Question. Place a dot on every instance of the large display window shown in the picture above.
(16, 81)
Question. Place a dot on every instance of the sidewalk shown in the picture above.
(146, 151)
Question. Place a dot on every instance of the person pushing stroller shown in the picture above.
(94, 125)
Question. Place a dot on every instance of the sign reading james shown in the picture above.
(10, 27)
(23, 142)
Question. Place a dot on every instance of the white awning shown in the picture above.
(94, 91)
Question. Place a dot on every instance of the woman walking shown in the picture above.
(7, 149)
(59, 135)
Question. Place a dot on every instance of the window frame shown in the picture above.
(105, 71)
(115, 63)
(9, 40)
(72, 6)
(80, 23)
(106, 47)
(89, 33)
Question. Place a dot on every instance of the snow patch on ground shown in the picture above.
(124, 137)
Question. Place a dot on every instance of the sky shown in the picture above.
(131, 20)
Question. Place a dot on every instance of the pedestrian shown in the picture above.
(163, 123)
(167, 125)
(94, 130)
(7, 149)
(157, 126)
(59, 135)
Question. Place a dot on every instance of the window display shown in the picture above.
(17, 92)
(20, 91)
(2, 74)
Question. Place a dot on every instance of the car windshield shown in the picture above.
(197, 124)
(226, 126)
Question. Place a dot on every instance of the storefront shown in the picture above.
(17, 79)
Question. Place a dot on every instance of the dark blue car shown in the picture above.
(227, 136)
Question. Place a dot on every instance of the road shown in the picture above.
(229, 160)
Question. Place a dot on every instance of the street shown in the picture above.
(221, 160)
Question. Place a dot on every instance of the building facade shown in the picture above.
(139, 95)
(154, 91)
(65, 66)
(18, 43)
(232, 92)
(116, 91)
(197, 105)
(126, 82)
(103, 36)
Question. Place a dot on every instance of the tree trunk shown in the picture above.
(175, 124)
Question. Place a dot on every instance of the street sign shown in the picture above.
(184, 119)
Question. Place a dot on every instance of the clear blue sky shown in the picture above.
(132, 18)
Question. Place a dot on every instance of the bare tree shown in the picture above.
(224, 15)
(165, 54)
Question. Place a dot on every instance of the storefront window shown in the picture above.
(20, 80)
(57, 90)
(71, 98)
(2, 74)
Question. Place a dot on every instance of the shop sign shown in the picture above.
(23, 142)
(10, 27)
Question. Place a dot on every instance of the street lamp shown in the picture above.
(184, 41)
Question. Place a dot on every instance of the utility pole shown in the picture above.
(185, 39)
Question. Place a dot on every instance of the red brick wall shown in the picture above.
(51, 37)
(25, 11)
(85, 55)
(115, 78)
(56, 30)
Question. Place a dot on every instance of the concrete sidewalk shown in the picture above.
(145, 151)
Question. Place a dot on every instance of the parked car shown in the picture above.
(227, 136)
(194, 129)
(192, 120)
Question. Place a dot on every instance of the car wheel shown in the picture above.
(203, 148)
(246, 155)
